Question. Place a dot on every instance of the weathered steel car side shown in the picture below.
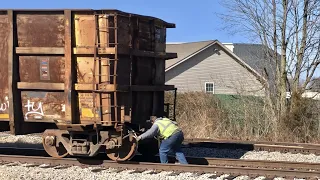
(88, 78)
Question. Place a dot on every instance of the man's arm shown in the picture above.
(153, 131)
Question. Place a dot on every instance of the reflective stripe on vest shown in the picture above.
(166, 127)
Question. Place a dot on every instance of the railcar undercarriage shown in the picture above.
(87, 141)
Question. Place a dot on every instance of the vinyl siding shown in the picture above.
(213, 65)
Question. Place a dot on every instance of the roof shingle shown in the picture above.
(184, 50)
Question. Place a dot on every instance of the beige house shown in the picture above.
(214, 67)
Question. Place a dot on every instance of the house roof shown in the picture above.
(252, 54)
(241, 52)
(184, 50)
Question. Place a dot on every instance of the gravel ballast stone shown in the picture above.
(24, 171)
(75, 173)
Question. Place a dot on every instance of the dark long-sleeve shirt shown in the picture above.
(153, 131)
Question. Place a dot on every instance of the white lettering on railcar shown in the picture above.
(33, 110)
(5, 106)
(63, 107)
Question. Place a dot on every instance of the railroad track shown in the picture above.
(218, 170)
(283, 147)
(303, 148)
(233, 167)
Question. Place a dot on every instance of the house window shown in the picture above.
(209, 87)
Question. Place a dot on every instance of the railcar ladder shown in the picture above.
(104, 110)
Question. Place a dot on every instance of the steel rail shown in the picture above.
(303, 148)
(255, 163)
(143, 166)
(192, 160)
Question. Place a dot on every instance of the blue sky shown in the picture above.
(195, 20)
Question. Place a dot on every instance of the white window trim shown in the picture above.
(205, 87)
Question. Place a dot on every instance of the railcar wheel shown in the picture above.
(124, 152)
(49, 146)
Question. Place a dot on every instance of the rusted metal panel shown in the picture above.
(145, 36)
(142, 106)
(42, 69)
(84, 30)
(84, 70)
(123, 77)
(4, 89)
(144, 71)
(159, 77)
(40, 30)
(160, 39)
(42, 106)
(123, 23)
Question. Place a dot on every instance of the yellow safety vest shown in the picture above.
(166, 127)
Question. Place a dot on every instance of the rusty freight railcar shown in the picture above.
(87, 79)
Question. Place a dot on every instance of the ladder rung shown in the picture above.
(101, 106)
(101, 91)
(102, 14)
(103, 17)
(105, 75)
(107, 106)
(106, 44)
(107, 15)
(106, 98)
(105, 28)
(101, 75)
(100, 59)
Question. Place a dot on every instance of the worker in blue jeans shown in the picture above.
(172, 138)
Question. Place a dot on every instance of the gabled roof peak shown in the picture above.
(186, 51)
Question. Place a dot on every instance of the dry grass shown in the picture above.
(203, 115)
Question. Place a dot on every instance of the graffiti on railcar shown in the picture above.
(47, 105)
(5, 105)
(33, 110)
(4, 108)
(43, 105)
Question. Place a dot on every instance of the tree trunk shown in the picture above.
(283, 72)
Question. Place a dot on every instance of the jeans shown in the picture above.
(173, 143)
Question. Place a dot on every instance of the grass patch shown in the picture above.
(202, 115)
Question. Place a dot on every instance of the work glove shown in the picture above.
(137, 137)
